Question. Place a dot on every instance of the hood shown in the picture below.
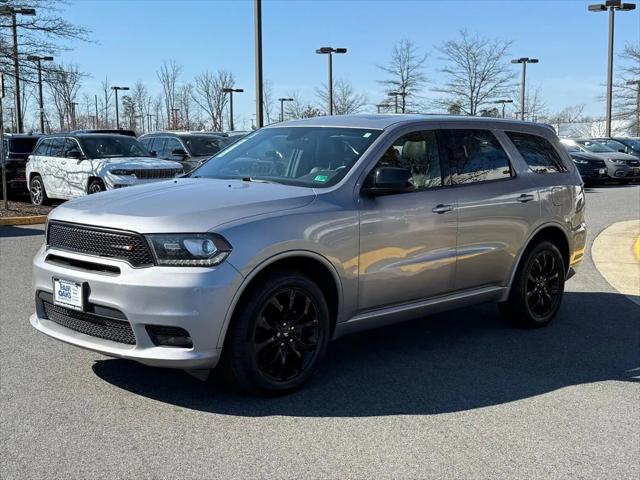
(139, 162)
(615, 156)
(182, 205)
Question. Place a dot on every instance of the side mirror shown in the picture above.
(622, 150)
(387, 181)
(77, 154)
(179, 152)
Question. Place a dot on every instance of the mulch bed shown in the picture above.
(22, 209)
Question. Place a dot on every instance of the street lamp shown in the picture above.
(503, 102)
(637, 84)
(39, 60)
(612, 6)
(7, 10)
(382, 105)
(282, 100)
(231, 91)
(330, 51)
(115, 89)
(524, 61)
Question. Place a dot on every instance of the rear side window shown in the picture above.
(146, 142)
(56, 147)
(539, 154)
(473, 156)
(42, 147)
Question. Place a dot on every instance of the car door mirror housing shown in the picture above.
(179, 152)
(387, 181)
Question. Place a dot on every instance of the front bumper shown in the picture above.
(195, 299)
(623, 172)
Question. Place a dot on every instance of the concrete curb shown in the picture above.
(616, 255)
(33, 220)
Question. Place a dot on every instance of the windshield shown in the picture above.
(632, 144)
(304, 156)
(595, 147)
(205, 145)
(22, 145)
(113, 146)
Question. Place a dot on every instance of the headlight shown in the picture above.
(617, 161)
(121, 172)
(189, 249)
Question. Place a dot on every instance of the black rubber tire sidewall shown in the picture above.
(94, 182)
(237, 361)
(515, 308)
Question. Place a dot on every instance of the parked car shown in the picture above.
(188, 148)
(621, 167)
(309, 230)
(621, 144)
(592, 168)
(16, 148)
(72, 165)
(117, 131)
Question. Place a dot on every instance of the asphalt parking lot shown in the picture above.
(456, 395)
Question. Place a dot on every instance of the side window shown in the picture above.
(418, 153)
(146, 142)
(473, 156)
(171, 145)
(43, 147)
(70, 145)
(56, 147)
(537, 152)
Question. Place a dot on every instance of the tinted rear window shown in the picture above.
(540, 155)
(22, 145)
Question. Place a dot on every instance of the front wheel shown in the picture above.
(278, 336)
(96, 186)
(537, 289)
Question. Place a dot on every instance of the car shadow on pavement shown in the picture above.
(450, 362)
(7, 231)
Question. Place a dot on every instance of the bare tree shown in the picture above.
(476, 72)
(105, 101)
(534, 105)
(295, 108)
(64, 82)
(345, 99)
(405, 72)
(267, 101)
(572, 114)
(209, 95)
(627, 106)
(168, 76)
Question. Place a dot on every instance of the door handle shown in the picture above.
(440, 209)
(524, 198)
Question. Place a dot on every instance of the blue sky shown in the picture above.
(133, 37)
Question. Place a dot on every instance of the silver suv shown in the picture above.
(309, 230)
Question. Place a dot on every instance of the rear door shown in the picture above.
(495, 210)
(54, 168)
(78, 169)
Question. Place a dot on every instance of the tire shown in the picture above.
(537, 289)
(96, 186)
(272, 349)
(37, 192)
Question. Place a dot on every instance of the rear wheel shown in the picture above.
(96, 186)
(537, 289)
(37, 192)
(278, 336)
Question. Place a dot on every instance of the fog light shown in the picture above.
(165, 336)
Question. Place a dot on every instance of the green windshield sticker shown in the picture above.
(321, 178)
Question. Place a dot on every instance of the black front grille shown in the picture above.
(90, 324)
(128, 246)
(633, 163)
(156, 173)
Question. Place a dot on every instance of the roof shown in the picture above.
(185, 133)
(382, 121)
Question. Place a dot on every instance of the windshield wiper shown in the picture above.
(255, 180)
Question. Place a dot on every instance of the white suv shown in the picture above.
(68, 166)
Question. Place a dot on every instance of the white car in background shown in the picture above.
(72, 165)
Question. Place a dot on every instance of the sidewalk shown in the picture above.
(616, 254)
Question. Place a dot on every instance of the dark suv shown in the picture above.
(191, 149)
(17, 149)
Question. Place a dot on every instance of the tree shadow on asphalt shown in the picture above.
(7, 231)
(451, 362)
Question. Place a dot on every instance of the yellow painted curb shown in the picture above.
(33, 220)
(637, 248)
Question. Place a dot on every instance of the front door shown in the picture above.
(408, 240)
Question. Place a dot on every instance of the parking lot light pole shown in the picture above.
(38, 59)
(329, 51)
(503, 101)
(637, 84)
(382, 105)
(396, 95)
(7, 10)
(612, 6)
(74, 123)
(282, 100)
(115, 89)
(231, 91)
(523, 61)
